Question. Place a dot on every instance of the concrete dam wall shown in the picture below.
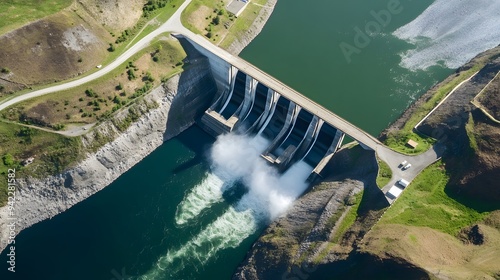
(247, 106)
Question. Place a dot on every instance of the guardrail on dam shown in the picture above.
(252, 102)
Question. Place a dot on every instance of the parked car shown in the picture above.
(403, 183)
(407, 166)
(403, 163)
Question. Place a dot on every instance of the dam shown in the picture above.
(251, 102)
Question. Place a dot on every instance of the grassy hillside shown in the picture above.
(52, 153)
(426, 204)
(15, 13)
(96, 100)
(211, 19)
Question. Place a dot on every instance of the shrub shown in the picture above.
(90, 93)
(8, 160)
(216, 20)
(131, 74)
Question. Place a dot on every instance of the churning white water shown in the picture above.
(269, 195)
(451, 32)
(230, 158)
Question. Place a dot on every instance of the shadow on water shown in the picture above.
(199, 145)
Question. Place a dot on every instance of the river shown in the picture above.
(166, 218)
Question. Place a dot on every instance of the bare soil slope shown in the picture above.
(52, 49)
(115, 15)
(491, 98)
(445, 256)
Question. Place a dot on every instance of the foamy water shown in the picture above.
(231, 157)
(450, 33)
(269, 195)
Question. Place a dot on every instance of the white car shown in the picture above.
(407, 166)
(403, 163)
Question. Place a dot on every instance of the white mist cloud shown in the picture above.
(269, 195)
(239, 155)
(451, 32)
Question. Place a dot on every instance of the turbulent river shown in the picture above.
(192, 208)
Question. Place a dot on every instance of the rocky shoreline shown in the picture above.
(37, 200)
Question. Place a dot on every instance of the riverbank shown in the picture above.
(37, 200)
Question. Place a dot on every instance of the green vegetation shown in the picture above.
(349, 219)
(98, 99)
(426, 204)
(210, 19)
(397, 140)
(159, 10)
(469, 128)
(52, 153)
(384, 173)
(15, 13)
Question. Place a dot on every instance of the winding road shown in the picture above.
(173, 24)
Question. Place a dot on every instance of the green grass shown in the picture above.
(384, 173)
(15, 13)
(344, 225)
(141, 30)
(243, 23)
(52, 152)
(469, 128)
(397, 141)
(426, 204)
(221, 36)
(161, 15)
(170, 54)
(349, 218)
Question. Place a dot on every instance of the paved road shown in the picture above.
(172, 25)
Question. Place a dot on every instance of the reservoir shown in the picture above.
(165, 219)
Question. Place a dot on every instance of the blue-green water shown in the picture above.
(150, 223)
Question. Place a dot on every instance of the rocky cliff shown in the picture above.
(179, 102)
